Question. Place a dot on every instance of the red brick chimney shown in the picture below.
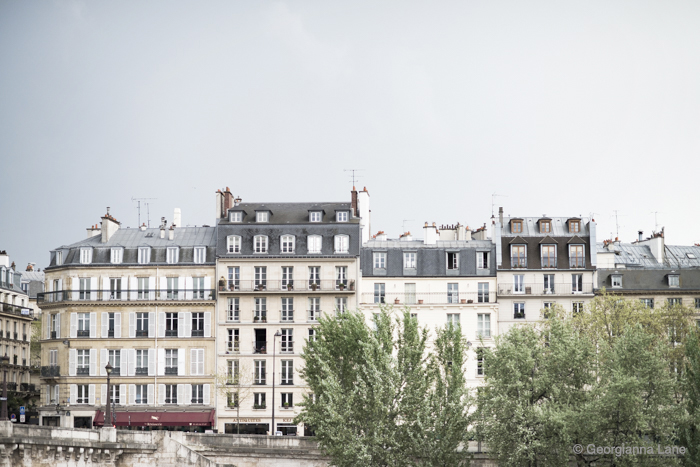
(353, 198)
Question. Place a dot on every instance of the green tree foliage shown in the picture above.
(689, 432)
(378, 399)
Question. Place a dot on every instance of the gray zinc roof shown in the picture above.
(531, 228)
(133, 238)
(292, 213)
(640, 256)
(440, 244)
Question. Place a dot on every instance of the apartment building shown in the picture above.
(447, 277)
(543, 261)
(141, 300)
(651, 271)
(281, 266)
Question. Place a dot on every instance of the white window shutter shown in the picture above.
(200, 361)
(93, 324)
(72, 357)
(181, 362)
(188, 324)
(161, 394)
(57, 393)
(163, 288)
(193, 361)
(161, 324)
(58, 326)
(188, 288)
(73, 394)
(48, 325)
(122, 394)
(91, 394)
(149, 394)
(151, 288)
(48, 394)
(188, 395)
(132, 361)
(103, 393)
(132, 394)
(152, 362)
(132, 324)
(93, 362)
(180, 393)
(105, 325)
(93, 288)
(151, 324)
(117, 325)
(73, 325)
(133, 288)
(125, 287)
(105, 288)
(181, 324)
(104, 358)
(161, 362)
(180, 288)
(207, 395)
(207, 287)
(207, 324)
(75, 282)
(124, 362)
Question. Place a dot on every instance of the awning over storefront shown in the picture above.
(159, 418)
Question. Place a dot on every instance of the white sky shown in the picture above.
(565, 108)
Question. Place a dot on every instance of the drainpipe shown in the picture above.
(155, 373)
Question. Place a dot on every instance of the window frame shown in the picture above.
(116, 255)
(314, 244)
(85, 255)
(551, 259)
(172, 255)
(287, 244)
(518, 310)
(262, 216)
(518, 260)
(200, 254)
(233, 244)
(144, 255)
(409, 259)
(315, 216)
(379, 259)
(260, 244)
(341, 244)
(235, 216)
(342, 216)
(616, 281)
(379, 292)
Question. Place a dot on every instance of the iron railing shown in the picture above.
(16, 310)
(285, 286)
(539, 289)
(430, 298)
(127, 295)
(51, 371)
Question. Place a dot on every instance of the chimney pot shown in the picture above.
(641, 235)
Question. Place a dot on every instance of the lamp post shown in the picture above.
(274, 341)
(108, 411)
(5, 362)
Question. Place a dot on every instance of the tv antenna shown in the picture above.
(148, 209)
(656, 221)
(353, 175)
(617, 225)
(493, 201)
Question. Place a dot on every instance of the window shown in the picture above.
(287, 277)
(260, 244)
(198, 288)
(171, 361)
(519, 310)
(172, 288)
(144, 255)
(197, 394)
(84, 285)
(518, 256)
(287, 343)
(483, 295)
(142, 288)
(482, 259)
(116, 255)
(379, 293)
(315, 216)
(234, 276)
(59, 258)
(342, 243)
(545, 226)
(260, 313)
(574, 226)
(577, 283)
(516, 226)
(518, 284)
(233, 342)
(260, 277)
(576, 259)
(314, 308)
(287, 400)
(341, 304)
(549, 256)
(260, 375)
(452, 293)
(115, 397)
(259, 400)
(314, 277)
(233, 244)
(341, 277)
(312, 334)
(171, 325)
(85, 255)
(409, 293)
(197, 362)
(232, 372)
(341, 216)
(483, 325)
(83, 362)
(287, 243)
(674, 301)
(548, 283)
(235, 216)
(697, 303)
(314, 243)
(115, 288)
(409, 261)
(480, 361)
(53, 357)
(616, 280)
(452, 318)
(170, 393)
(83, 325)
(200, 254)
(648, 302)
(577, 307)
(55, 331)
(233, 311)
(115, 360)
(287, 310)
(452, 261)
(674, 280)
(141, 394)
(287, 372)
(110, 324)
(232, 399)
(261, 216)
(141, 362)
(379, 260)
(198, 324)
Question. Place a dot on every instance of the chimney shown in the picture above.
(228, 202)
(171, 232)
(4, 259)
(353, 202)
(219, 204)
(430, 234)
(406, 237)
(500, 216)
(162, 231)
(237, 201)
(109, 226)
(93, 230)
(364, 211)
(641, 235)
(143, 226)
(177, 218)
(30, 267)
(13, 266)
(381, 236)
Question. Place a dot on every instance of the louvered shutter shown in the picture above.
(188, 395)
(91, 394)
(103, 392)
(163, 288)
(105, 289)
(117, 325)
(122, 394)
(48, 325)
(105, 325)
(207, 287)
(58, 326)
(180, 394)
(180, 288)
(104, 358)
(151, 324)
(188, 324)
(132, 361)
(73, 325)
(93, 362)
(132, 394)
(132, 324)
(133, 288)
(161, 362)
(181, 324)
(161, 324)
(72, 358)
(93, 288)
(188, 288)
(152, 362)
(125, 287)
(93, 324)
(207, 395)
(161, 394)
(193, 361)
(73, 394)
(181, 362)
(207, 324)
(124, 362)
(149, 394)
(200, 361)
(151, 288)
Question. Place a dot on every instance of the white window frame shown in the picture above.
(518, 283)
(452, 318)
(172, 255)
(577, 283)
(519, 307)
(85, 396)
(233, 244)
(116, 255)
(314, 309)
(409, 260)
(200, 254)
(59, 258)
(315, 244)
(233, 309)
(483, 292)
(144, 255)
(379, 259)
(315, 216)
(260, 243)
(85, 255)
(483, 325)
(341, 216)
(342, 244)
(262, 216)
(576, 307)
(452, 292)
(235, 216)
(482, 259)
(674, 280)
(616, 280)
(287, 244)
(454, 264)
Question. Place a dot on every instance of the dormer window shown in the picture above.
(674, 280)
(116, 255)
(144, 255)
(545, 226)
(341, 216)
(314, 243)
(691, 255)
(574, 225)
(342, 243)
(516, 226)
(173, 253)
(85, 255)
(262, 216)
(235, 216)
(59, 258)
(233, 244)
(260, 244)
(287, 242)
(315, 216)
(200, 254)
(616, 280)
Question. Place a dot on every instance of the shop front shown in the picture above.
(261, 426)
(180, 421)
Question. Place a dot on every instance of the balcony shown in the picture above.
(27, 387)
(54, 335)
(260, 317)
(129, 295)
(142, 371)
(431, 298)
(198, 333)
(82, 370)
(24, 337)
(171, 370)
(540, 289)
(83, 333)
(518, 262)
(52, 371)
(16, 336)
(233, 347)
(16, 310)
(287, 316)
(141, 333)
(260, 347)
(282, 286)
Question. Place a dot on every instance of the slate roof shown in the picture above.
(531, 227)
(292, 213)
(640, 256)
(133, 238)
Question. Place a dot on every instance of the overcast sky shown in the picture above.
(562, 108)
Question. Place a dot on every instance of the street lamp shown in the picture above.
(108, 412)
(274, 341)
(5, 361)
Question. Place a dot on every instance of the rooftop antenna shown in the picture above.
(617, 225)
(403, 226)
(138, 207)
(656, 221)
(493, 202)
(353, 176)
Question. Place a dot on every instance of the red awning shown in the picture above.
(159, 418)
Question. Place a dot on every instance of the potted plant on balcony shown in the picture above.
(397, 301)
(286, 405)
(341, 286)
(222, 284)
(290, 286)
(314, 286)
(352, 284)
(260, 287)
(470, 301)
(256, 319)
(420, 301)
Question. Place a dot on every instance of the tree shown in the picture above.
(236, 386)
(689, 432)
(378, 399)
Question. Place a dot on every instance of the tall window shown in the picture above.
(198, 324)
(142, 288)
(287, 372)
(233, 310)
(287, 277)
(110, 324)
(576, 258)
(287, 399)
(452, 318)
(341, 277)
(482, 259)
(141, 362)
(197, 394)
(577, 307)
(342, 243)
(170, 393)
(83, 362)
(577, 283)
(85, 255)
(287, 243)
(341, 304)
(260, 309)
(483, 325)
(232, 372)
(287, 309)
(379, 260)
(144, 255)
(674, 280)
(409, 260)
(483, 296)
(518, 284)
(200, 254)
(516, 226)
(233, 244)
(287, 341)
(549, 256)
(674, 301)
(410, 293)
(260, 244)
(548, 283)
(616, 280)
(259, 400)
(379, 293)
(260, 374)
(116, 396)
(115, 288)
(234, 276)
(171, 361)
(141, 394)
(171, 325)
(453, 293)
(197, 362)
(83, 325)
(314, 308)
(198, 288)
(314, 243)
(518, 256)
(452, 261)
(314, 277)
(173, 253)
(84, 288)
(260, 277)
(172, 288)
(116, 255)
(115, 359)
(519, 310)
(233, 343)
